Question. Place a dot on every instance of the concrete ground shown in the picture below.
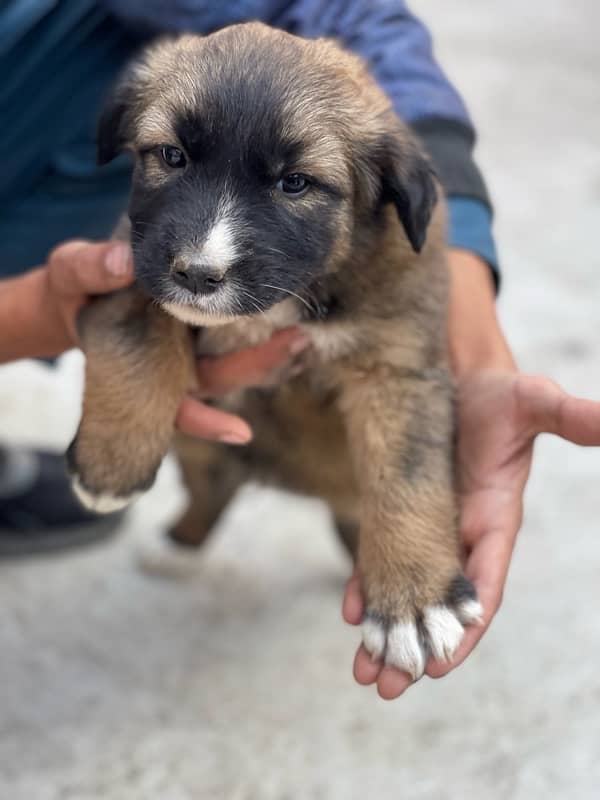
(235, 684)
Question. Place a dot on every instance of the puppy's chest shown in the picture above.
(331, 335)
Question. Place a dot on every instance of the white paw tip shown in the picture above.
(373, 635)
(103, 503)
(444, 632)
(404, 649)
(470, 612)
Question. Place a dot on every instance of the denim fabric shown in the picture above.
(56, 61)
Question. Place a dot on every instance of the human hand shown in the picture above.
(499, 414)
(242, 369)
(38, 309)
(77, 270)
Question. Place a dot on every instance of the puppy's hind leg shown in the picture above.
(139, 365)
(212, 473)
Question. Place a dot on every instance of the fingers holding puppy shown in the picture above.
(262, 365)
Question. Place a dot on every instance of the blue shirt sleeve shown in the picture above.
(470, 228)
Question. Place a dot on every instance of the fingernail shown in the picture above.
(117, 260)
(298, 345)
(234, 438)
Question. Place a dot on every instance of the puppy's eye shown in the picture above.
(173, 157)
(293, 184)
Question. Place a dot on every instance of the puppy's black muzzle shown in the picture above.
(198, 280)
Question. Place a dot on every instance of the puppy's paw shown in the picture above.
(405, 638)
(158, 554)
(106, 478)
(100, 502)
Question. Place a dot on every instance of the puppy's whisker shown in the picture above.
(288, 291)
(275, 251)
(248, 294)
(253, 299)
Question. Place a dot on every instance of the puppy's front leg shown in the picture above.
(400, 425)
(138, 368)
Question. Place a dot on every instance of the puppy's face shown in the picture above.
(261, 161)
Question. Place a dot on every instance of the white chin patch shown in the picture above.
(103, 503)
(195, 316)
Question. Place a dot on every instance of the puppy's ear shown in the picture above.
(115, 125)
(409, 182)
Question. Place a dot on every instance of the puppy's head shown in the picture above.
(261, 161)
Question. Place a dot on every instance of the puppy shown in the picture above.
(274, 186)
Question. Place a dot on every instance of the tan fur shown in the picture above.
(137, 397)
(368, 426)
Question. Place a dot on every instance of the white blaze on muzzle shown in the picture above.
(218, 250)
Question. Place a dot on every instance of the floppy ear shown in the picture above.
(408, 182)
(114, 129)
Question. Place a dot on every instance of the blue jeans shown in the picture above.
(57, 62)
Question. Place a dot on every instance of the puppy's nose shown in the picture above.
(198, 279)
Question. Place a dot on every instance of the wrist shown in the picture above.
(31, 324)
(476, 340)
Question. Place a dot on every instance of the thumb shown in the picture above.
(551, 410)
(85, 268)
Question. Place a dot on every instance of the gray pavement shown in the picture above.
(234, 682)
